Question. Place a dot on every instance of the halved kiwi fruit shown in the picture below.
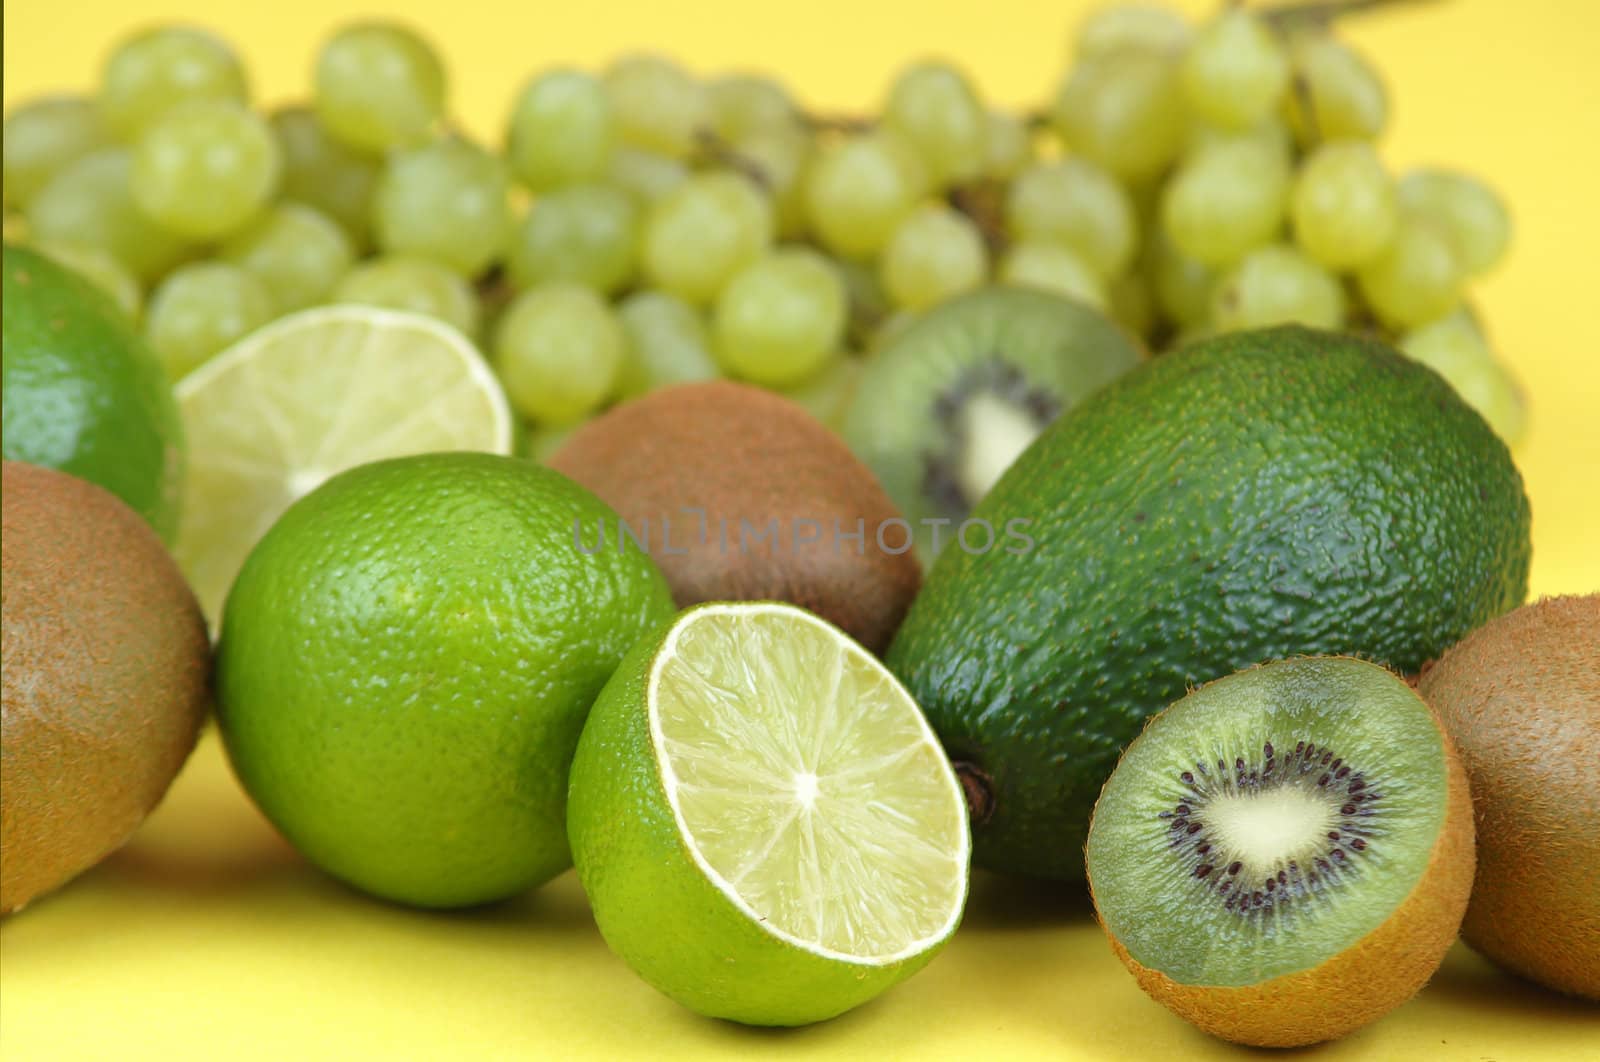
(1284, 855)
(1521, 698)
(945, 407)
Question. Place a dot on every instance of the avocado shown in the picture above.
(1255, 496)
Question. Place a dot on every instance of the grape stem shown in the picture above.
(983, 202)
(1322, 12)
(715, 149)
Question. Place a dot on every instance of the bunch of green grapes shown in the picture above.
(640, 226)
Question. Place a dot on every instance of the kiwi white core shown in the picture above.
(996, 433)
(1265, 829)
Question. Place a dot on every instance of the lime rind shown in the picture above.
(661, 907)
(710, 723)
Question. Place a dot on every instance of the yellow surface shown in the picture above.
(206, 938)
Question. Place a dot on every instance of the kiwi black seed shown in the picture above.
(1284, 855)
(1354, 811)
(944, 407)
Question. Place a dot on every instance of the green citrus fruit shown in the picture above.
(766, 827)
(309, 395)
(405, 664)
(82, 391)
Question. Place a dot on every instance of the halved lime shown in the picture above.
(766, 826)
(312, 394)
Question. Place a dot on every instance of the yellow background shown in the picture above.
(206, 938)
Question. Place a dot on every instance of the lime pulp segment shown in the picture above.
(807, 785)
(310, 395)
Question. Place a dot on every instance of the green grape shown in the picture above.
(588, 233)
(449, 201)
(1343, 204)
(892, 328)
(1075, 203)
(857, 193)
(157, 68)
(296, 252)
(933, 106)
(379, 86)
(1346, 95)
(540, 444)
(746, 105)
(89, 204)
(1274, 285)
(199, 310)
(1469, 210)
(100, 268)
(1188, 335)
(1271, 133)
(1132, 27)
(828, 394)
(659, 107)
(205, 168)
(1455, 349)
(324, 174)
(1008, 145)
(780, 157)
(867, 301)
(562, 131)
(645, 175)
(668, 344)
(1182, 286)
(1132, 305)
(936, 253)
(414, 284)
(1417, 278)
(1236, 71)
(1054, 267)
(1226, 200)
(703, 232)
(1124, 112)
(780, 319)
(41, 138)
(559, 350)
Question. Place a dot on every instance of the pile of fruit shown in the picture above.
(988, 581)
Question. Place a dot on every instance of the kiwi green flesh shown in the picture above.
(939, 408)
(1268, 821)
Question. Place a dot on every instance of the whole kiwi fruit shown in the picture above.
(106, 677)
(742, 495)
(1521, 697)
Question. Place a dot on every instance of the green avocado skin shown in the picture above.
(1252, 497)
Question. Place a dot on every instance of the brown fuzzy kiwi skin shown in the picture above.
(1521, 697)
(742, 453)
(1359, 985)
(106, 677)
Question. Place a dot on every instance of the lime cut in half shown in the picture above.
(766, 826)
(308, 396)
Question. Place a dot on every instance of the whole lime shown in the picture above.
(82, 391)
(405, 664)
